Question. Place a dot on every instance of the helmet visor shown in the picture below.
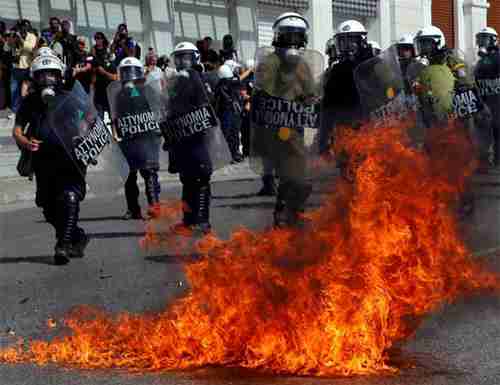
(47, 77)
(292, 37)
(425, 46)
(131, 73)
(349, 43)
(406, 51)
(184, 60)
(484, 40)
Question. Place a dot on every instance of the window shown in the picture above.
(114, 13)
(64, 5)
(95, 11)
(133, 18)
(9, 9)
(195, 19)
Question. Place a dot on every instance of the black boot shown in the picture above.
(187, 202)
(290, 204)
(152, 191)
(68, 217)
(79, 243)
(268, 186)
(132, 197)
(201, 212)
(62, 253)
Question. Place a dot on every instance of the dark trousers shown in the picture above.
(230, 124)
(62, 212)
(152, 187)
(245, 133)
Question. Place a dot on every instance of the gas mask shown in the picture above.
(48, 82)
(184, 61)
(485, 43)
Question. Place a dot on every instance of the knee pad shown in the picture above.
(68, 197)
(195, 181)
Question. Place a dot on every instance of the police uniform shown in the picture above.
(60, 185)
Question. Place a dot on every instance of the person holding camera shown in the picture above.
(65, 44)
(123, 45)
(21, 42)
(82, 71)
(103, 72)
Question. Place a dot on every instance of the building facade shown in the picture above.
(163, 23)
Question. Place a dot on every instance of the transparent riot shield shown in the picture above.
(87, 141)
(190, 119)
(381, 87)
(285, 112)
(487, 79)
(135, 117)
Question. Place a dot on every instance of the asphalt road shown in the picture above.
(458, 345)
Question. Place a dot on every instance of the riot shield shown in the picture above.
(135, 116)
(285, 111)
(487, 80)
(87, 141)
(190, 119)
(381, 87)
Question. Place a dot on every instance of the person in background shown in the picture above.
(211, 77)
(5, 68)
(228, 52)
(82, 71)
(245, 93)
(207, 50)
(22, 44)
(200, 44)
(121, 35)
(123, 44)
(163, 62)
(103, 72)
(152, 63)
(68, 42)
(228, 106)
(54, 28)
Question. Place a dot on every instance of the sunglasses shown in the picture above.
(98, 38)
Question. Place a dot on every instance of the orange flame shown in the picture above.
(331, 299)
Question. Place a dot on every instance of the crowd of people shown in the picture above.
(95, 68)
(262, 110)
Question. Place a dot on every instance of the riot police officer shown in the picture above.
(190, 156)
(285, 72)
(487, 74)
(438, 88)
(60, 182)
(341, 103)
(138, 134)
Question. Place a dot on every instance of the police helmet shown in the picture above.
(405, 44)
(487, 38)
(130, 69)
(290, 31)
(429, 40)
(47, 71)
(186, 56)
(350, 37)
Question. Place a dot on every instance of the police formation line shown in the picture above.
(57, 123)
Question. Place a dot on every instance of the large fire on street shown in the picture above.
(381, 253)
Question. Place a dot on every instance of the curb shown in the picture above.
(22, 194)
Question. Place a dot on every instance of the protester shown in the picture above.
(228, 104)
(82, 70)
(22, 44)
(104, 72)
